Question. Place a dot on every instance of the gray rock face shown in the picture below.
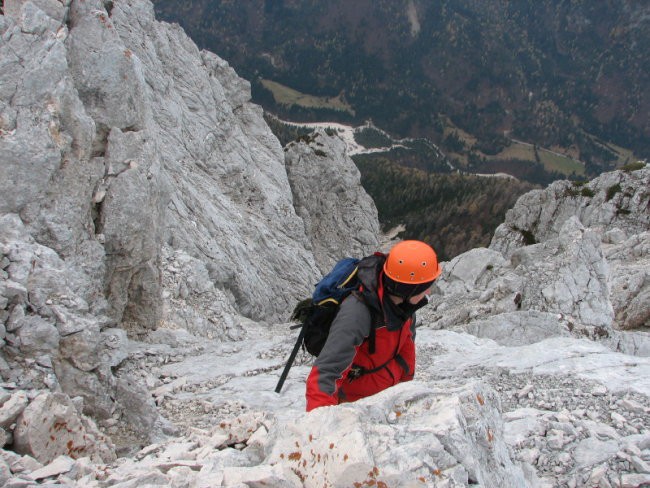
(587, 276)
(229, 198)
(613, 200)
(576, 282)
(629, 261)
(336, 210)
(144, 140)
(139, 188)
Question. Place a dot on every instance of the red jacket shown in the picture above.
(332, 379)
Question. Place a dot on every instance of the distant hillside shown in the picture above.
(471, 75)
(456, 212)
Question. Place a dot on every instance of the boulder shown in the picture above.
(50, 426)
(458, 431)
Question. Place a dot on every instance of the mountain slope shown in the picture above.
(572, 75)
(122, 167)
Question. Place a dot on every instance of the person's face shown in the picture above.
(416, 298)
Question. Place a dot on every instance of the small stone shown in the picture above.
(563, 417)
(25, 463)
(15, 291)
(597, 474)
(599, 390)
(644, 442)
(529, 456)
(593, 415)
(5, 472)
(604, 483)
(60, 465)
(4, 396)
(44, 361)
(592, 451)
(525, 391)
(633, 450)
(635, 480)
(632, 406)
(12, 408)
(623, 455)
(639, 464)
(556, 440)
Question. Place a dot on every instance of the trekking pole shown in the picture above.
(292, 357)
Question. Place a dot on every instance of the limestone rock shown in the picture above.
(36, 335)
(517, 328)
(195, 304)
(123, 147)
(278, 475)
(460, 434)
(60, 465)
(53, 8)
(12, 408)
(629, 261)
(586, 276)
(337, 212)
(230, 202)
(617, 199)
(468, 268)
(593, 451)
(115, 342)
(5, 472)
(577, 282)
(50, 426)
(138, 410)
(61, 324)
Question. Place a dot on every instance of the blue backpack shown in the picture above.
(316, 314)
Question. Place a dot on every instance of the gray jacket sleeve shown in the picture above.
(349, 329)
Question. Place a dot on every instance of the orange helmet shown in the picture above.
(412, 262)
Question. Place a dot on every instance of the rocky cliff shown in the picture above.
(139, 187)
(154, 234)
(568, 260)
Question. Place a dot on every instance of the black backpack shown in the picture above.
(316, 314)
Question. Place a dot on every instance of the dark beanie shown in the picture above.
(404, 290)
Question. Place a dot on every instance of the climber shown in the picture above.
(354, 363)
